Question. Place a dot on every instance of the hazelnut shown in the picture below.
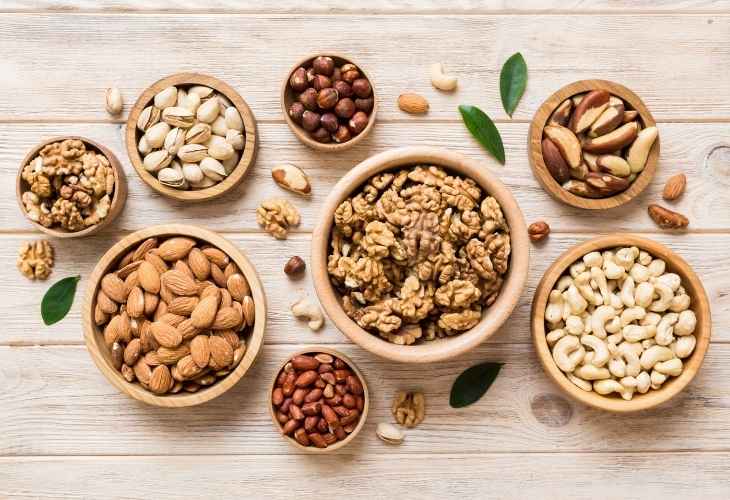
(298, 80)
(294, 266)
(345, 108)
(358, 122)
(361, 87)
(323, 65)
(295, 112)
(320, 135)
(321, 82)
(538, 230)
(342, 88)
(350, 75)
(347, 67)
(329, 122)
(310, 75)
(309, 99)
(364, 104)
(342, 134)
(336, 75)
(310, 120)
(327, 98)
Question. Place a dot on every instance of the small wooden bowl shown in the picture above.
(118, 200)
(700, 305)
(552, 186)
(249, 129)
(287, 98)
(94, 335)
(363, 416)
(496, 314)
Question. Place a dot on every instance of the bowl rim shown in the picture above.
(118, 200)
(363, 415)
(93, 337)
(549, 184)
(249, 127)
(497, 313)
(690, 281)
(300, 133)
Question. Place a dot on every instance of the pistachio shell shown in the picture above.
(201, 90)
(181, 96)
(219, 148)
(224, 102)
(166, 98)
(192, 172)
(178, 117)
(208, 111)
(233, 119)
(191, 102)
(148, 117)
(192, 153)
(174, 140)
(219, 126)
(155, 135)
(171, 177)
(143, 146)
(213, 169)
(198, 133)
(205, 183)
(157, 160)
(231, 163)
(234, 138)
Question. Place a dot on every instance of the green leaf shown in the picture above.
(512, 82)
(58, 300)
(483, 130)
(473, 383)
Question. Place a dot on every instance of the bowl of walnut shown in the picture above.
(174, 315)
(71, 186)
(421, 254)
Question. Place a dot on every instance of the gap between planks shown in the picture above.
(344, 12)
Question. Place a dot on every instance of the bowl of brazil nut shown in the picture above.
(593, 144)
(329, 102)
(191, 137)
(319, 400)
(621, 323)
(71, 186)
(420, 255)
(174, 315)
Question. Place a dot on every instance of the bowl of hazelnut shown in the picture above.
(329, 102)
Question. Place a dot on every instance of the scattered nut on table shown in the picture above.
(667, 219)
(409, 408)
(35, 259)
(294, 266)
(440, 79)
(292, 178)
(418, 253)
(619, 322)
(413, 103)
(675, 186)
(389, 433)
(277, 216)
(538, 231)
(113, 101)
(304, 309)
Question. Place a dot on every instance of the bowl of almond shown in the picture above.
(174, 315)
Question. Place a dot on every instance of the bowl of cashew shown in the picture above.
(621, 323)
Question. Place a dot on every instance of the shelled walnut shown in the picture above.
(418, 253)
(35, 259)
(71, 186)
(409, 408)
(277, 216)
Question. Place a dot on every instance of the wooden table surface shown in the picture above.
(65, 431)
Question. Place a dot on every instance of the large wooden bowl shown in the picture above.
(700, 305)
(552, 186)
(363, 416)
(287, 98)
(94, 335)
(495, 315)
(248, 155)
(118, 200)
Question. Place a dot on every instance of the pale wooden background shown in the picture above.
(65, 431)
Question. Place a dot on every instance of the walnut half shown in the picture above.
(35, 259)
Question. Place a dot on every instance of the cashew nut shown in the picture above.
(644, 294)
(612, 270)
(582, 283)
(671, 367)
(651, 318)
(647, 343)
(665, 297)
(593, 259)
(599, 318)
(632, 314)
(617, 367)
(625, 257)
(684, 346)
(554, 309)
(645, 258)
(654, 355)
(591, 372)
(563, 283)
(615, 338)
(583, 384)
(686, 323)
(643, 382)
(672, 280)
(637, 333)
(605, 387)
(629, 354)
(574, 325)
(657, 379)
(627, 292)
(657, 267)
(680, 303)
(568, 353)
(614, 326)
(554, 336)
(640, 273)
(577, 269)
(305, 309)
(599, 348)
(440, 79)
(665, 329)
(576, 301)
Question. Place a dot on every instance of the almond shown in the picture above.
(667, 219)
(219, 277)
(187, 368)
(131, 281)
(181, 266)
(230, 270)
(205, 312)
(166, 335)
(413, 104)
(128, 373)
(187, 329)
(135, 303)
(179, 283)
(117, 355)
(146, 338)
(171, 319)
(227, 318)
(229, 336)
(208, 290)
(249, 310)
(142, 371)
(100, 317)
(156, 261)
(143, 248)
(161, 380)
(226, 299)
(170, 356)
(149, 277)
(128, 269)
(199, 264)
(291, 178)
(114, 288)
(674, 188)
(161, 310)
(221, 352)
(217, 257)
(106, 304)
(183, 305)
(237, 286)
(150, 303)
(200, 350)
(132, 351)
(175, 248)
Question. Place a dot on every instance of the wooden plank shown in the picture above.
(254, 54)
(55, 402)
(565, 476)
(685, 147)
(24, 325)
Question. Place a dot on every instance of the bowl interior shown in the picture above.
(363, 416)
(699, 304)
(540, 120)
(495, 315)
(185, 80)
(94, 335)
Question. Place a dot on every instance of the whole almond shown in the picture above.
(135, 304)
(171, 319)
(179, 283)
(128, 373)
(205, 312)
(181, 266)
(156, 261)
(149, 277)
(125, 271)
(117, 355)
(166, 335)
(229, 336)
(200, 350)
(168, 356)
(150, 303)
(230, 270)
(674, 188)
(143, 248)
(199, 264)
(106, 304)
(237, 286)
(187, 329)
(413, 104)
(175, 248)
(227, 318)
(249, 310)
(221, 352)
(291, 178)
(667, 219)
(142, 371)
(100, 317)
(216, 256)
(146, 338)
(219, 277)
(183, 305)
(131, 282)
(114, 288)
(132, 351)
(161, 380)
(187, 368)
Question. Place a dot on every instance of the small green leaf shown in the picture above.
(473, 383)
(483, 130)
(58, 300)
(512, 82)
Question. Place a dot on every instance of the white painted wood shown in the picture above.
(57, 66)
(564, 476)
(55, 402)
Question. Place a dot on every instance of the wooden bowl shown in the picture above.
(700, 305)
(287, 98)
(94, 336)
(496, 314)
(249, 129)
(363, 416)
(118, 200)
(535, 146)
